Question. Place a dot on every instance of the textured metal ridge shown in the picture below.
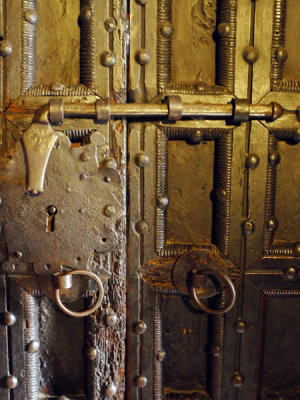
(31, 333)
(28, 45)
(161, 187)
(164, 45)
(281, 292)
(222, 191)
(278, 40)
(87, 45)
(187, 133)
(287, 86)
(270, 199)
(157, 347)
(280, 396)
(44, 90)
(281, 248)
(227, 10)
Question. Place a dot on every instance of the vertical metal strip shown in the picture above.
(16, 338)
(87, 43)
(4, 358)
(28, 43)
(164, 45)
(157, 349)
(31, 341)
(278, 40)
(222, 191)
(92, 356)
(216, 344)
(226, 13)
(161, 188)
(270, 199)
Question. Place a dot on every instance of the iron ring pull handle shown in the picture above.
(65, 282)
(220, 275)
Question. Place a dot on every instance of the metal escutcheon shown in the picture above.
(200, 274)
(64, 282)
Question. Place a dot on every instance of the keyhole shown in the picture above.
(51, 210)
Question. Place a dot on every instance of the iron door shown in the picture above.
(206, 183)
(139, 191)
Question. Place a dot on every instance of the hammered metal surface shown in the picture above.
(77, 202)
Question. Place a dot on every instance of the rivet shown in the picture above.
(85, 157)
(219, 194)
(52, 210)
(167, 30)
(291, 272)
(161, 355)
(111, 390)
(91, 353)
(240, 326)
(18, 254)
(297, 250)
(5, 48)
(31, 16)
(139, 327)
(143, 56)
(110, 163)
(85, 13)
(7, 318)
(140, 381)
(252, 161)
(111, 319)
(223, 29)
(57, 86)
(83, 177)
(141, 227)
(108, 58)
(274, 158)
(196, 137)
(142, 159)
(142, 2)
(281, 54)
(33, 346)
(248, 226)
(162, 202)
(109, 211)
(107, 179)
(272, 224)
(8, 267)
(250, 54)
(11, 382)
(110, 24)
(237, 380)
(215, 350)
(97, 138)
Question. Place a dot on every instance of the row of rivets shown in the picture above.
(250, 53)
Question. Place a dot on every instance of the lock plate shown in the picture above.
(66, 223)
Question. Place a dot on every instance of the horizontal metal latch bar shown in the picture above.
(239, 110)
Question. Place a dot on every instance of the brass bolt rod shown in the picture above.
(161, 111)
